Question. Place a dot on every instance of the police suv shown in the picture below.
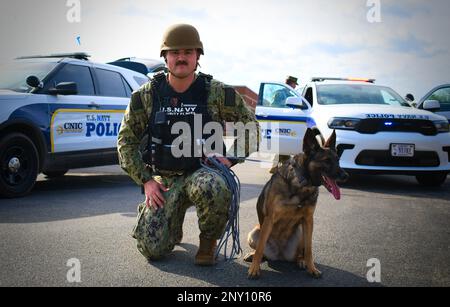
(59, 112)
(377, 130)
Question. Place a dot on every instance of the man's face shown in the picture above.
(182, 63)
(292, 84)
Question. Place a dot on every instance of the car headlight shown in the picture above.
(343, 123)
(441, 126)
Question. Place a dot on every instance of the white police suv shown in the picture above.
(59, 112)
(377, 130)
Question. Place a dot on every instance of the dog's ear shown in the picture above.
(310, 143)
(331, 142)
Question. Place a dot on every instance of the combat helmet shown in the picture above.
(181, 36)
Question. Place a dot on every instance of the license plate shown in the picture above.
(402, 150)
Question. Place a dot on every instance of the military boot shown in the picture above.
(206, 252)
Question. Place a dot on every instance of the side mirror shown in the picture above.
(64, 88)
(431, 105)
(296, 103)
(34, 81)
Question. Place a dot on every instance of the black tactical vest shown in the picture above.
(170, 108)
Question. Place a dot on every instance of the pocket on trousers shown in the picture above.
(139, 220)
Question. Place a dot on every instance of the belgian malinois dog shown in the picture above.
(287, 202)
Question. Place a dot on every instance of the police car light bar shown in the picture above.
(320, 79)
(76, 55)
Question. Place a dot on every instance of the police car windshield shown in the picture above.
(13, 76)
(332, 94)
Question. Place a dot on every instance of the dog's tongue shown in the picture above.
(332, 187)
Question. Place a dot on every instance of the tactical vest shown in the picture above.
(171, 108)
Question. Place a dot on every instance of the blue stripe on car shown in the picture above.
(308, 120)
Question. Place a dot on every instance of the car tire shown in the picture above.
(19, 165)
(55, 174)
(435, 179)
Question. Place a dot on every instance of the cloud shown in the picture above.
(249, 41)
(404, 9)
(194, 14)
(134, 11)
(334, 48)
(415, 46)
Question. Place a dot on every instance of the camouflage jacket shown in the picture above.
(134, 127)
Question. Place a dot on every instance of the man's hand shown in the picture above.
(221, 159)
(153, 195)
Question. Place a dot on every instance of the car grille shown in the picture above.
(374, 125)
(384, 158)
(447, 150)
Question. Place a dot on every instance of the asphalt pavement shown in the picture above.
(88, 215)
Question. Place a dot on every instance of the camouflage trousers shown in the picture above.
(157, 231)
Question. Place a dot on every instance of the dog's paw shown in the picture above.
(254, 272)
(249, 257)
(315, 273)
(301, 264)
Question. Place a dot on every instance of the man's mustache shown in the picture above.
(181, 63)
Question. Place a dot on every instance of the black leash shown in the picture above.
(232, 227)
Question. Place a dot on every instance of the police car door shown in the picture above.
(69, 112)
(113, 96)
(442, 94)
(282, 126)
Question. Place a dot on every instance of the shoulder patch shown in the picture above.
(137, 101)
(230, 96)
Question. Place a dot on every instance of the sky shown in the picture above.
(405, 47)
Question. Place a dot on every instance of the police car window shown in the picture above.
(110, 83)
(128, 89)
(81, 75)
(13, 75)
(443, 96)
(390, 98)
(275, 95)
(329, 94)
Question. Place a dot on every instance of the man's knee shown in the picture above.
(212, 205)
(154, 250)
(209, 185)
(153, 235)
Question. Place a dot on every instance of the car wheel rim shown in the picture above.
(16, 166)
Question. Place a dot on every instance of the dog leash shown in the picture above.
(232, 227)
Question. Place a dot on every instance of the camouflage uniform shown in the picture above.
(157, 232)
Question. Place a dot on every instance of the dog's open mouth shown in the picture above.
(332, 187)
